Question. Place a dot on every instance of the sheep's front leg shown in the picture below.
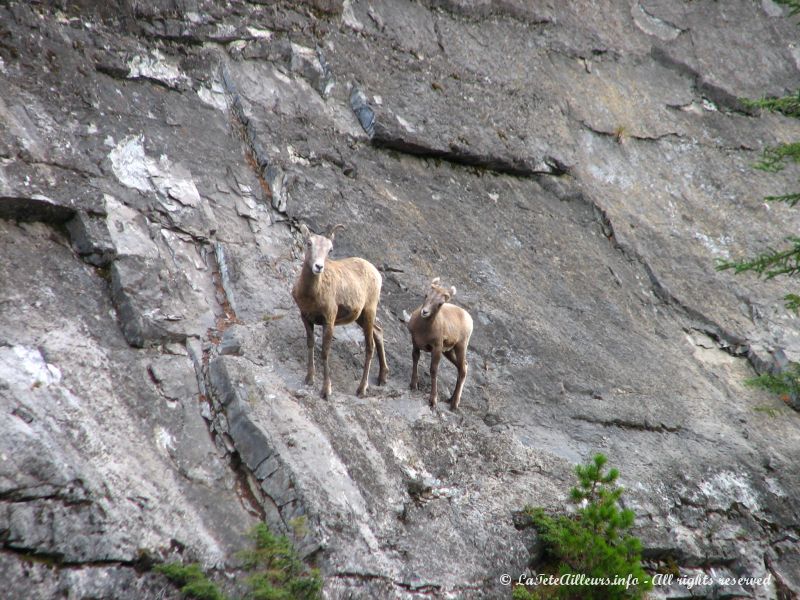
(327, 338)
(436, 356)
(415, 361)
(309, 325)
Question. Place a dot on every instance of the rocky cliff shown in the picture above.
(573, 168)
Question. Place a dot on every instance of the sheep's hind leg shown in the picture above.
(366, 322)
(436, 356)
(415, 362)
(451, 356)
(383, 373)
(460, 355)
(327, 338)
(309, 325)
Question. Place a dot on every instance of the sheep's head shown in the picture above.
(318, 247)
(434, 299)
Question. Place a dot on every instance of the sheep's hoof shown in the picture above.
(414, 386)
(382, 379)
(361, 392)
(433, 402)
(309, 380)
(325, 393)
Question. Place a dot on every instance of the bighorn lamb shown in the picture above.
(337, 292)
(440, 328)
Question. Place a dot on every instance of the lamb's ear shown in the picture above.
(434, 281)
(452, 291)
(304, 230)
(332, 231)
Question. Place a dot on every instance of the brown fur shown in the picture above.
(445, 331)
(345, 291)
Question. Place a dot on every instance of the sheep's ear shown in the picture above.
(452, 291)
(304, 230)
(332, 231)
(434, 281)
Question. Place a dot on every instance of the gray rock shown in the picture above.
(91, 238)
(231, 342)
(95, 453)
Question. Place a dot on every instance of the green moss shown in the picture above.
(788, 105)
(194, 583)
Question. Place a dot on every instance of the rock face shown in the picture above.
(574, 169)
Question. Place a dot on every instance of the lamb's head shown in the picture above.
(434, 299)
(317, 247)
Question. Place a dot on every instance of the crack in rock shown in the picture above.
(643, 425)
(273, 177)
(383, 133)
(652, 25)
(715, 93)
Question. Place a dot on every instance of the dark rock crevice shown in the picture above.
(418, 589)
(476, 12)
(35, 208)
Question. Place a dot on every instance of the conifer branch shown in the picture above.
(769, 264)
(790, 199)
(794, 6)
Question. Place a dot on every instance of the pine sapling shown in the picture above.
(593, 542)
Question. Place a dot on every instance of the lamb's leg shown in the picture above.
(461, 363)
(366, 321)
(327, 338)
(309, 325)
(451, 356)
(415, 361)
(383, 373)
(436, 356)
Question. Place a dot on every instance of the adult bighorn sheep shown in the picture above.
(337, 292)
(440, 328)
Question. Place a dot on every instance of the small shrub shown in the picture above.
(279, 574)
(785, 384)
(276, 573)
(593, 543)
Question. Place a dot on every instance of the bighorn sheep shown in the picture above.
(440, 328)
(337, 292)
